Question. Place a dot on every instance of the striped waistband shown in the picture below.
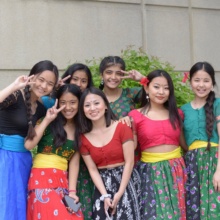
(147, 157)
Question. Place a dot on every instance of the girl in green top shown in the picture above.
(202, 130)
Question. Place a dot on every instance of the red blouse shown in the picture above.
(110, 153)
(152, 133)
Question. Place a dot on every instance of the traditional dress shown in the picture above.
(203, 202)
(85, 186)
(126, 102)
(48, 181)
(15, 160)
(163, 175)
(128, 207)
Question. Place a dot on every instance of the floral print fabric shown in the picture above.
(163, 190)
(203, 202)
(128, 207)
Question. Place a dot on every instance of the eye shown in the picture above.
(84, 81)
(75, 79)
(167, 88)
(108, 72)
(156, 87)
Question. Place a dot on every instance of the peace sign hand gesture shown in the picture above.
(61, 82)
(22, 81)
(53, 112)
(132, 74)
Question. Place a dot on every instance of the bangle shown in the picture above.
(72, 190)
(102, 198)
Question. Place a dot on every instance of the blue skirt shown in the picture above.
(14, 174)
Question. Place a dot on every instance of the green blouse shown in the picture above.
(46, 146)
(126, 102)
(195, 123)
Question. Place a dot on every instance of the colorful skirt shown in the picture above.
(46, 189)
(203, 202)
(128, 207)
(163, 189)
(14, 174)
(85, 189)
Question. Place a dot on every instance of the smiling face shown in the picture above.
(158, 90)
(201, 84)
(94, 107)
(80, 79)
(71, 103)
(112, 76)
(43, 83)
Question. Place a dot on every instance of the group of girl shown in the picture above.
(86, 152)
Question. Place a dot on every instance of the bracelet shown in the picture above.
(102, 198)
(72, 190)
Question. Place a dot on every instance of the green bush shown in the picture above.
(139, 60)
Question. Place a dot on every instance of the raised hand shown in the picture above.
(61, 82)
(132, 74)
(22, 81)
(53, 112)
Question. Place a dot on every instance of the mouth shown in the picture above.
(160, 97)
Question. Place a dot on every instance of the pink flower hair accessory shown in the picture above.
(144, 81)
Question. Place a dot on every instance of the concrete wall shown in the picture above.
(181, 32)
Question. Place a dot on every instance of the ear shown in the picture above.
(146, 89)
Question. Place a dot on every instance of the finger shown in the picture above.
(125, 77)
(61, 108)
(31, 77)
(65, 78)
(55, 104)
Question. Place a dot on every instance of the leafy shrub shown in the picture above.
(139, 60)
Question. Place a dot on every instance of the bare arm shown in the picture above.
(97, 180)
(39, 129)
(216, 176)
(128, 150)
(183, 142)
(73, 175)
(19, 83)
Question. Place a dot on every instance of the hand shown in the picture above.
(74, 196)
(53, 112)
(107, 204)
(61, 82)
(115, 201)
(126, 120)
(216, 180)
(22, 81)
(132, 74)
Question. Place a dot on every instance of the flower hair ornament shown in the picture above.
(185, 77)
(144, 81)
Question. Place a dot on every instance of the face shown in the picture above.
(44, 83)
(158, 90)
(71, 103)
(94, 107)
(80, 79)
(112, 76)
(201, 84)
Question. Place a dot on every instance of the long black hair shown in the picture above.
(170, 104)
(210, 118)
(37, 69)
(85, 123)
(57, 126)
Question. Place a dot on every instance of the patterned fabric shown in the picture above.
(203, 202)
(126, 102)
(85, 189)
(47, 186)
(163, 190)
(128, 207)
(45, 145)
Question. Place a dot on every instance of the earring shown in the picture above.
(148, 98)
(101, 86)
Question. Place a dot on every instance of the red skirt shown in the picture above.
(46, 188)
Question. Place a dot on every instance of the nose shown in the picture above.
(44, 85)
(161, 90)
(113, 75)
(201, 83)
(92, 107)
(67, 106)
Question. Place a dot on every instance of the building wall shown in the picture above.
(181, 32)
